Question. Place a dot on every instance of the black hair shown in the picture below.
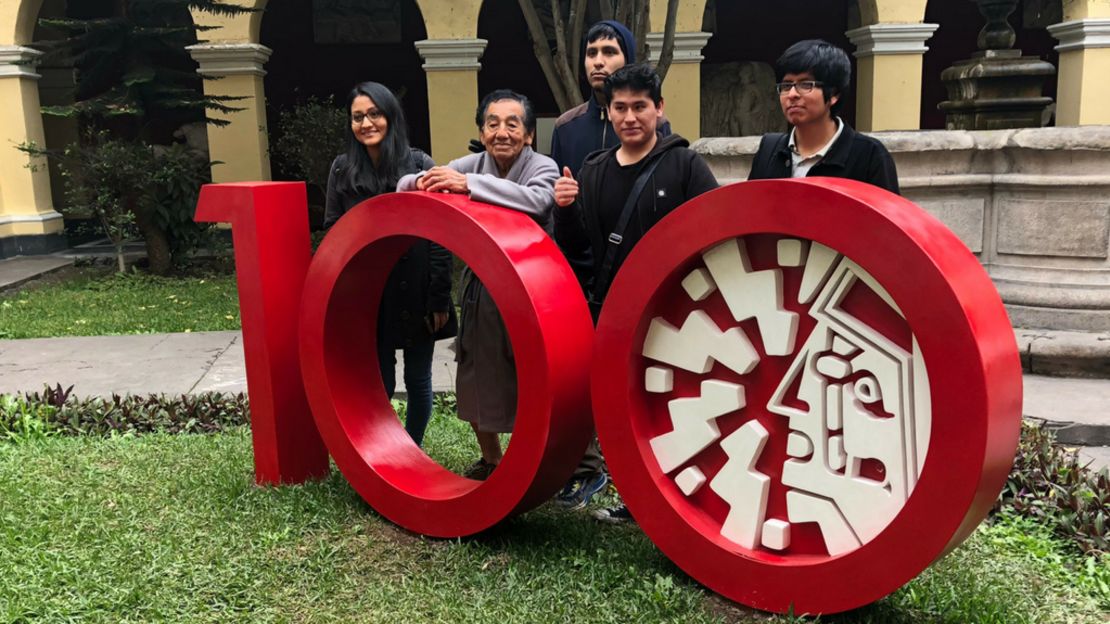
(828, 64)
(602, 30)
(637, 77)
(360, 176)
(507, 94)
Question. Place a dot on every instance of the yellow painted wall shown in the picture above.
(452, 96)
(22, 191)
(242, 146)
(1084, 91)
(32, 228)
(888, 92)
(893, 11)
(1083, 9)
(689, 18)
(682, 99)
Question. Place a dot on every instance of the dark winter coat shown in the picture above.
(854, 156)
(586, 128)
(419, 284)
(680, 176)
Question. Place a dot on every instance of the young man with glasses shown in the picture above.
(813, 75)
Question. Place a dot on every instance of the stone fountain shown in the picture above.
(997, 87)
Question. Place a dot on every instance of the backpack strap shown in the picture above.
(616, 237)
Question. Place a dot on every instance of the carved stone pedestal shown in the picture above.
(995, 90)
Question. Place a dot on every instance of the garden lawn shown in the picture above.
(172, 528)
(92, 302)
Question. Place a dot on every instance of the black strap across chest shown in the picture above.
(616, 237)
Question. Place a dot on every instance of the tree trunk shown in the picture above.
(667, 53)
(564, 100)
(157, 244)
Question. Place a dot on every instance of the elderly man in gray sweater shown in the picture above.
(509, 174)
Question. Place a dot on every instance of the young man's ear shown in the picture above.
(659, 112)
(833, 100)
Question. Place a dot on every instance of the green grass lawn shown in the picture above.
(172, 528)
(95, 302)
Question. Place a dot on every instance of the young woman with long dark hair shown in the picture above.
(416, 308)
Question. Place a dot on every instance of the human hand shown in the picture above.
(444, 179)
(566, 189)
(439, 321)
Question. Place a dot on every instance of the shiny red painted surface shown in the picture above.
(270, 231)
(549, 327)
(967, 343)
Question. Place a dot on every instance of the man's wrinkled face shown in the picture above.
(603, 57)
(503, 131)
(635, 116)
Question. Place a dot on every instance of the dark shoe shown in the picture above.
(479, 470)
(577, 493)
(615, 515)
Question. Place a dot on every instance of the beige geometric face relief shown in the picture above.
(843, 374)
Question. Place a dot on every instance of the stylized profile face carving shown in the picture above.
(806, 390)
(855, 396)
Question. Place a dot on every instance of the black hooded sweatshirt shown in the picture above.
(586, 127)
(603, 185)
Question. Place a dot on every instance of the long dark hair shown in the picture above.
(360, 176)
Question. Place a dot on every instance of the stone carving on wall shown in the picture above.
(738, 99)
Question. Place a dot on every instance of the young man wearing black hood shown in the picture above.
(624, 190)
(608, 46)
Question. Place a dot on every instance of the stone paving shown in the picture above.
(213, 361)
(1078, 408)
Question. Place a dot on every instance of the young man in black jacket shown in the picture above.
(608, 46)
(813, 76)
(624, 190)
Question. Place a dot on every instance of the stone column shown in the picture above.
(242, 145)
(28, 222)
(682, 90)
(452, 68)
(1083, 91)
(888, 86)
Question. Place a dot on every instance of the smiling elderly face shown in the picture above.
(504, 133)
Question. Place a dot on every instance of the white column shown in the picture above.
(242, 146)
(888, 85)
(451, 69)
(682, 89)
(28, 222)
(1083, 87)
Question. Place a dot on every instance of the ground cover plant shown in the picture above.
(119, 527)
(93, 301)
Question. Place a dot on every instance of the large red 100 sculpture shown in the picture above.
(807, 390)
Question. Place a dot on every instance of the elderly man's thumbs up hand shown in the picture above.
(566, 189)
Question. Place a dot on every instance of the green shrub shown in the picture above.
(306, 139)
(1048, 483)
(55, 411)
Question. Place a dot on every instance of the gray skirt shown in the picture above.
(485, 383)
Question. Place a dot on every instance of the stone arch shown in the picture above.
(689, 18)
(891, 11)
(18, 21)
(242, 28)
(450, 19)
